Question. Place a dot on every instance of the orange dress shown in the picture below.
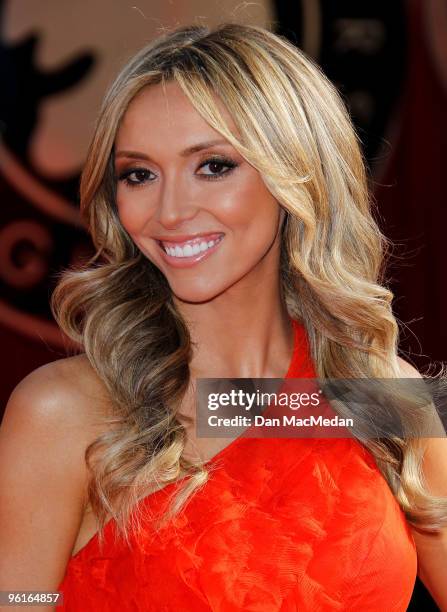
(283, 524)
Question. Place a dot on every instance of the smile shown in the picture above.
(183, 254)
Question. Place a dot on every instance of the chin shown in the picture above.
(196, 294)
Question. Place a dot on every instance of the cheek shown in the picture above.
(252, 209)
(248, 205)
(132, 214)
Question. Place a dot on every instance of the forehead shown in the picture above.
(164, 113)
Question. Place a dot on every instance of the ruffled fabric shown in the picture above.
(283, 524)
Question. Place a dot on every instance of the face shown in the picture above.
(196, 208)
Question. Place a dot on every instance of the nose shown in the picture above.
(175, 205)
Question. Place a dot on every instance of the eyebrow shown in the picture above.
(188, 151)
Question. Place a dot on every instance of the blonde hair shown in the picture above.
(295, 130)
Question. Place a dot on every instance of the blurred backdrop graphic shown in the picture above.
(387, 58)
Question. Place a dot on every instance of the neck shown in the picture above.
(240, 334)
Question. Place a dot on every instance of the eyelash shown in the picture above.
(222, 161)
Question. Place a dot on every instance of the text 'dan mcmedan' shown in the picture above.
(284, 421)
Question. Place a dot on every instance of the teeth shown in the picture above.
(188, 250)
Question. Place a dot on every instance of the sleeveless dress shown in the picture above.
(282, 524)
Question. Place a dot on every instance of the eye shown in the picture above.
(215, 164)
(133, 177)
(136, 177)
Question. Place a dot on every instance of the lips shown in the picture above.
(182, 241)
(190, 252)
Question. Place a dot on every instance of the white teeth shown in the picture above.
(188, 250)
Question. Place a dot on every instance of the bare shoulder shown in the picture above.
(68, 388)
(62, 400)
(432, 549)
(408, 370)
(51, 417)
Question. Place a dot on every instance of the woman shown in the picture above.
(226, 195)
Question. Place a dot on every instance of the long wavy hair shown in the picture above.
(295, 130)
